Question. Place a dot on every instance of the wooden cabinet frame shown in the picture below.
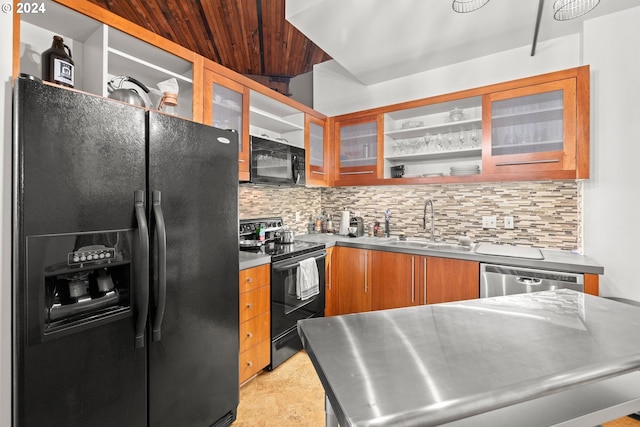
(358, 175)
(570, 163)
(210, 78)
(316, 175)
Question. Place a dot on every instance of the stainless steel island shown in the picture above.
(538, 359)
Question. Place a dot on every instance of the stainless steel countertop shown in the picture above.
(250, 260)
(553, 259)
(438, 363)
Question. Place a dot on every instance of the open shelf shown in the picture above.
(418, 132)
(438, 155)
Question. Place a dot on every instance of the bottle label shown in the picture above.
(62, 71)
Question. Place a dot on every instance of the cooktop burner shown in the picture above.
(279, 251)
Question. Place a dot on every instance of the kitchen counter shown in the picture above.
(553, 259)
(451, 363)
(250, 260)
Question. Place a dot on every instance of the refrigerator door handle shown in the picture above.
(162, 264)
(142, 288)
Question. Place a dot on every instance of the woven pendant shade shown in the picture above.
(563, 10)
(464, 6)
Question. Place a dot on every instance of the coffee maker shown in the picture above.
(358, 223)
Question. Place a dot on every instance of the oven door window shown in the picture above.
(286, 307)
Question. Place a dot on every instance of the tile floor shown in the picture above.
(292, 396)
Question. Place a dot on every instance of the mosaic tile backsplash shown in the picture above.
(547, 214)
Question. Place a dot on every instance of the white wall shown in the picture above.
(611, 196)
(336, 92)
(6, 34)
(301, 88)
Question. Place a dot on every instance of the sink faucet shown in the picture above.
(424, 218)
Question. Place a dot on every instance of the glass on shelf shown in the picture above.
(528, 124)
(358, 144)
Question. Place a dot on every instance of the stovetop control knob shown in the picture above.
(83, 258)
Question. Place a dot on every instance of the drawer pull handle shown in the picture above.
(249, 363)
(249, 279)
(249, 305)
(249, 334)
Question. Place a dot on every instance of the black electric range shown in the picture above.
(287, 305)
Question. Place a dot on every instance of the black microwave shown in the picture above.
(274, 162)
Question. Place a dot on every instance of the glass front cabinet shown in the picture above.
(226, 106)
(358, 148)
(531, 129)
(317, 151)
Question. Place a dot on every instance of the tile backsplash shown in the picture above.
(547, 214)
(260, 201)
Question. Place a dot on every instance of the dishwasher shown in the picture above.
(498, 280)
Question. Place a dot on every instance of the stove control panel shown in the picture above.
(251, 226)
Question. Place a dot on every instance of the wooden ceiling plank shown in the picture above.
(215, 22)
(248, 38)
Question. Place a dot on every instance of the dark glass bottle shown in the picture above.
(57, 65)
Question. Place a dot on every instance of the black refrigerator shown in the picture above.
(125, 265)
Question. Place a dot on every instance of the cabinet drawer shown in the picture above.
(254, 360)
(254, 303)
(254, 330)
(256, 277)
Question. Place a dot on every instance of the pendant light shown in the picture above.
(464, 6)
(564, 10)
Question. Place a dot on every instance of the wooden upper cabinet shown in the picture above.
(358, 150)
(317, 151)
(109, 46)
(531, 129)
(226, 106)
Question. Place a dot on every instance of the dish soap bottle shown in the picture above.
(57, 65)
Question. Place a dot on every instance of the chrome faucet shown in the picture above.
(424, 218)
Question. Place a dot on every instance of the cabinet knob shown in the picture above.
(249, 305)
(249, 279)
(249, 363)
(249, 334)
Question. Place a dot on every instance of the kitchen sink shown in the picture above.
(449, 247)
(429, 245)
(406, 244)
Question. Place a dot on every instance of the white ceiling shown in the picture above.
(379, 40)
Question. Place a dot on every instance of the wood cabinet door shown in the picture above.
(331, 293)
(452, 280)
(394, 280)
(351, 280)
(226, 105)
(358, 145)
(317, 151)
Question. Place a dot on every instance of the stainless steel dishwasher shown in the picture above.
(497, 280)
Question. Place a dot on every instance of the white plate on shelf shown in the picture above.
(465, 170)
